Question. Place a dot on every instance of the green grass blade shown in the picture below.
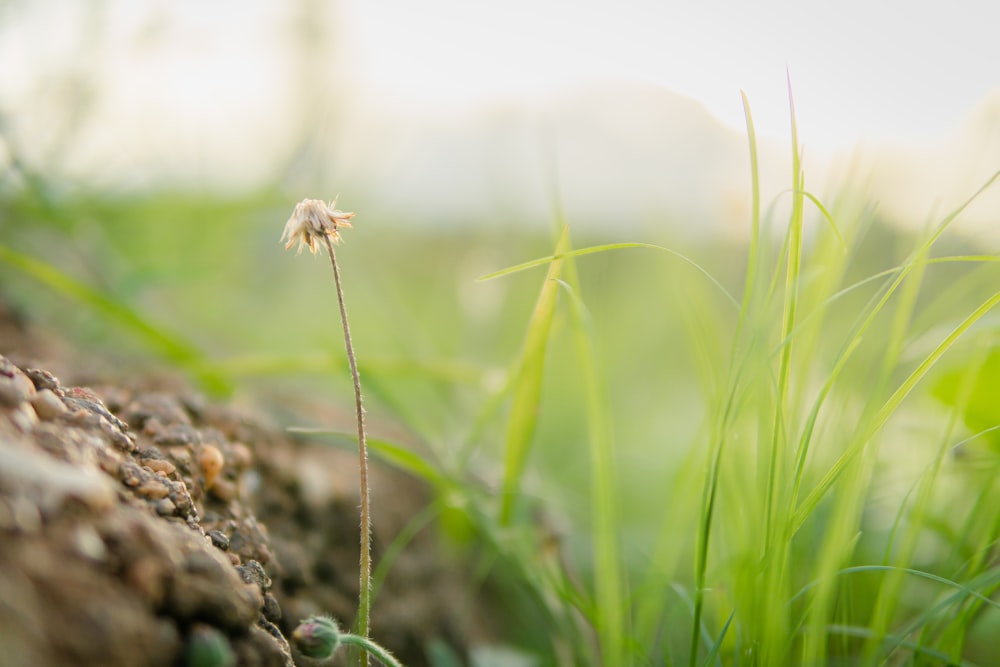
(604, 248)
(528, 385)
(713, 653)
(866, 633)
(167, 346)
(811, 501)
(858, 331)
(609, 580)
(773, 621)
(826, 216)
(395, 455)
(753, 251)
(719, 437)
(388, 557)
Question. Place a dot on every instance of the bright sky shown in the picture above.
(861, 69)
(209, 90)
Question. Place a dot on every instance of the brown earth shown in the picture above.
(140, 522)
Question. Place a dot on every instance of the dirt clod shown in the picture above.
(138, 519)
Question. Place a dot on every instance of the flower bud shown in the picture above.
(207, 647)
(317, 637)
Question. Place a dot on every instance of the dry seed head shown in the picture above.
(311, 220)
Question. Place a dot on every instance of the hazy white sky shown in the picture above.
(219, 91)
(861, 69)
(880, 70)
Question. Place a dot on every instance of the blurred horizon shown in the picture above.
(448, 116)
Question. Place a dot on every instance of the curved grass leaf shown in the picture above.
(604, 248)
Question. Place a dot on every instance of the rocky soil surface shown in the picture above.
(141, 525)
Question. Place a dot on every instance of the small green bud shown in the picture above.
(207, 647)
(317, 637)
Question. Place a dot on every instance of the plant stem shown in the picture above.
(369, 646)
(364, 596)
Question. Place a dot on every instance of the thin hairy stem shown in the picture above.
(371, 647)
(364, 598)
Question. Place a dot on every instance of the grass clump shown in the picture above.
(806, 380)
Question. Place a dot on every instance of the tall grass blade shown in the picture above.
(609, 580)
(528, 385)
(775, 547)
(736, 371)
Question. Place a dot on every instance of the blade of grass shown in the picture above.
(395, 455)
(826, 216)
(753, 251)
(811, 501)
(775, 546)
(528, 386)
(713, 653)
(721, 427)
(609, 580)
(168, 346)
(604, 248)
(866, 633)
(858, 331)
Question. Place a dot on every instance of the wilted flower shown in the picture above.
(311, 220)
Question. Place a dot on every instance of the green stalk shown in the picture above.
(365, 579)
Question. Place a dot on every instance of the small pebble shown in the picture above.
(223, 489)
(162, 407)
(24, 417)
(242, 458)
(177, 434)
(271, 608)
(84, 398)
(211, 462)
(89, 544)
(42, 379)
(219, 539)
(15, 387)
(130, 474)
(152, 427)
(48, 405)
(253, 572)
(153, 489)
(159, 466)
(165, 507)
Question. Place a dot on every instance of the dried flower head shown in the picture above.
(311, 220)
